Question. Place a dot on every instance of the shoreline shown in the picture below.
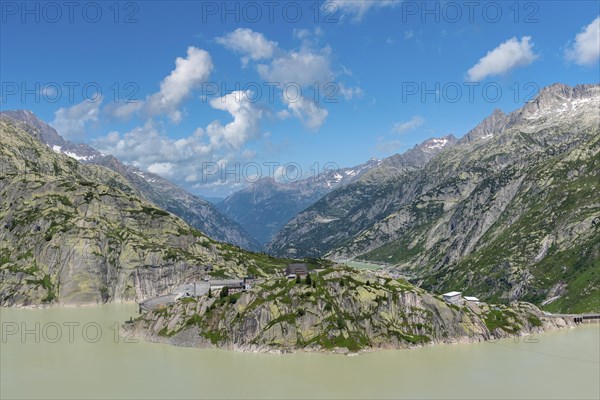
(191, 338)
(69, 305)
(199, 342)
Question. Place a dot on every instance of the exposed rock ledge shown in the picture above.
(342, 310)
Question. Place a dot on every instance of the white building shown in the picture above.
(472, 299)
(452, 297)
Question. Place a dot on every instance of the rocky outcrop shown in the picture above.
(341, 310)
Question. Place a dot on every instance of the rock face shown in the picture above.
(509, 211)
(345, 212)
(75, 234)
(264, 207)
(340, 310)
(197, 212)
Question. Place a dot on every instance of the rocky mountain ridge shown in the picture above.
(267, 205)
(196, 211)
(346, 203)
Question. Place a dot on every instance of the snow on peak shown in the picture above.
(77, 157)
(436, 143)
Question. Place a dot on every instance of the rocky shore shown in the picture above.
(338, 310)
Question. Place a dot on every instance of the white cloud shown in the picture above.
(586, 49)
(163, 169)
(385, 146)
(350, 93)
(294, 72)
(189, 73)
(72, 121)
(246, 117)
(357, 8)
(507, 56)
(413, 123)
(252, 45)
(307, 111)
(183, 159)
(48, 91)
(304, 68)
(408, 34)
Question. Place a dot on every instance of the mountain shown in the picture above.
(197, 212)
(267, 205)
(346, 211)
(76, 233)
(509, 212)
(342, 310)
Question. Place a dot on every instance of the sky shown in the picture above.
(214, 95)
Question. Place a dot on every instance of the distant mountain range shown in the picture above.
(199, 213)
(264, 207)
(346, 211)
(509, 211)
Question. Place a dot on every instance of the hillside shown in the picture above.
(348, 210)
(196, 211)
(74, 234)
(510, 211)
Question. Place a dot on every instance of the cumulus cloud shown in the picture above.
(358, 8)
(586, 49)
(189, 73)
(72, 121)
(245, 124)
(292, 71)
(183, 159)
(252, 45)
(507, 56)
(308, 112)
(304, 67)
(413, 123)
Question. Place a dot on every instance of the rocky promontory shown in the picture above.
(337, 309)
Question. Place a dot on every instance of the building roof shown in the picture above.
(226, 282)
(451, 294)
(297, 268)
(471, 298)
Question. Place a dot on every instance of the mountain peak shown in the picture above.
(487, 128)
(436, 144)
(558, 98)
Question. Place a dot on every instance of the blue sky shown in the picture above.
(380, 61)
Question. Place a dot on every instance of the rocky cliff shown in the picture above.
(341, 310)
(73, 234)
(345, 212)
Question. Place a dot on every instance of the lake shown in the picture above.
(77, 353)
(363, 265)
